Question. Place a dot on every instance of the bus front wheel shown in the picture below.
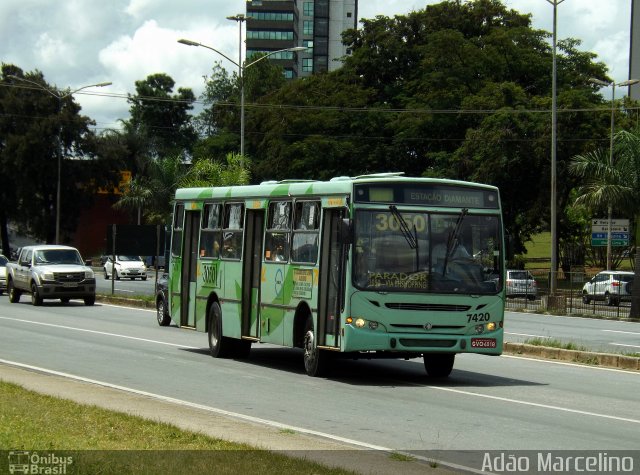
(219, 345)
(315, 360)
(439, 365)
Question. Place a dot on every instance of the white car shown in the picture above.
(520, 283)
(3, 274)
(611, 286)
(131, 267)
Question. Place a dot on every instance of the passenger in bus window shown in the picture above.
(441, 242)
(278, 254)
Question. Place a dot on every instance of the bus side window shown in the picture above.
(276, 247)
(178, 220)
(232, 232)
(304, 243)
(210, 231)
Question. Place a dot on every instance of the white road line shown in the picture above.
(535, 404)
(100, 333)
(566, 363)
(526, 334)
(244, 417)
(620, 331)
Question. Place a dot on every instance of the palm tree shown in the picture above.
(615, 185)
(152, 194)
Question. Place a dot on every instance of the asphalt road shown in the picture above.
(500, 403)
(607, 336)
(125, 287)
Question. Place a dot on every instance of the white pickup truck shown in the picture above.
(50, 272)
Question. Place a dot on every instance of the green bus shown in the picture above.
(373, 266)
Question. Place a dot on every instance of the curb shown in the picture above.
(124, 301)
(608, 360)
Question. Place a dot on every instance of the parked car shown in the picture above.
(3, 273)
(130, 267)
(520, 283)
(611, 286)
(162, 301)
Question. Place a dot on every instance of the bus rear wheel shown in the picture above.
(315, 360)
(439, 365)
(220, 346)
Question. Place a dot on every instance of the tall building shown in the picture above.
(634, 49)
(317, 25)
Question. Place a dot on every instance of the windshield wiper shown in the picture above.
(411, 237)
(452, 240)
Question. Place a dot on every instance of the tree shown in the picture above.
(459, 90)
(219, 122)
(36, 126)
(614, 184)
(161, 117)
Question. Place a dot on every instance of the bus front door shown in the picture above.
(331, 280)
(251, 268)
(188, 275)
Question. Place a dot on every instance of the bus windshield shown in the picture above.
(454, 252)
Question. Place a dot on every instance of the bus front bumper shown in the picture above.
(360, 339)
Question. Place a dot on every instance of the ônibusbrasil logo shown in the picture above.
(23, 461)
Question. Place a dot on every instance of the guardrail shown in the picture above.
(567, 299)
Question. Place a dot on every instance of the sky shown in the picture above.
(76, 43)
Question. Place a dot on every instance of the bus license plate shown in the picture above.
(483, 343)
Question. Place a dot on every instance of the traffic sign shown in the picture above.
(613, 235)
(614, 229)
(614, 242)
(614, 222)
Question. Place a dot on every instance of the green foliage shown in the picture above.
(40, 124)
(205, 173)
(161, 117)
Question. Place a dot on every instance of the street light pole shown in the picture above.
(241, 69)
(60, 98)
(240, 18)
(613, 85)
(554, 141)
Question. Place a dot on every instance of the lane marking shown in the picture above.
(101, 333)
(535, 404)
(620, 331)
(566, 363)
(244, 417)
(526, 334)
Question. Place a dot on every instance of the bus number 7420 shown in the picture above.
(478, 317)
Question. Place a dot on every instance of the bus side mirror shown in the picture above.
(346, 231)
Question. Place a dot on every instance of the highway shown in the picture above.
(488, 403)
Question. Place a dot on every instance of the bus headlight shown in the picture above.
(360, 322)
(491, 326)
(479, 328)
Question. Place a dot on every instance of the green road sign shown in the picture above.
(614, 242)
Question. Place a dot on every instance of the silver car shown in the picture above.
(520, 283)
(611, 286)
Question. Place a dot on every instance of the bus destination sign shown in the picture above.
(446, 196)
(449, 197)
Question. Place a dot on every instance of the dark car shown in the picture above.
(162, 300)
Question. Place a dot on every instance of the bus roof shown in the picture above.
(337, 185)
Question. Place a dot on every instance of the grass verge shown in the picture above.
(113, 442)
(555, 344)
